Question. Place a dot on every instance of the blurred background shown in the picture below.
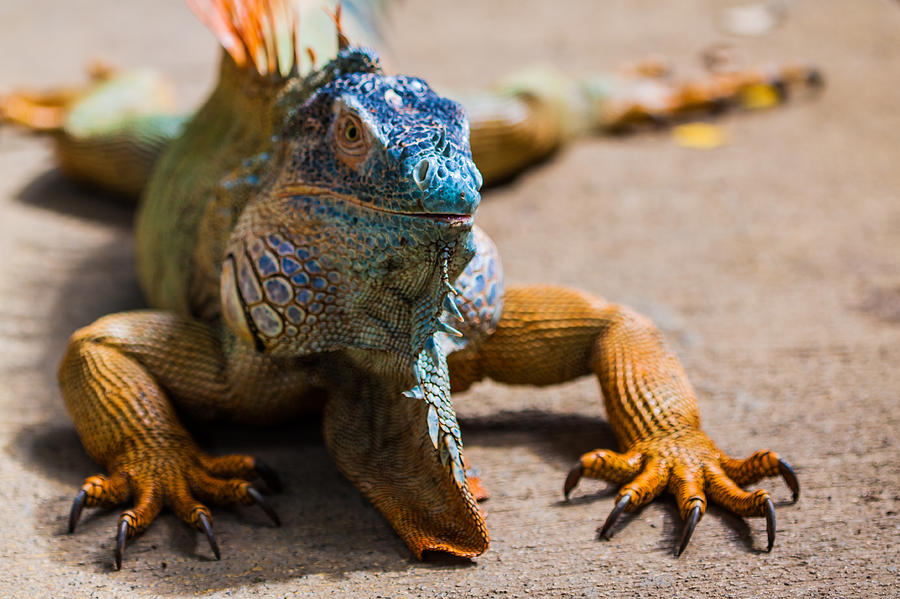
(771, 261)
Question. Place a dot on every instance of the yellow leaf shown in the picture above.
(700, 136)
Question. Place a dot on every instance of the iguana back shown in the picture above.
(198, 188)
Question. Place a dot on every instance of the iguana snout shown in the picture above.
(447, 190)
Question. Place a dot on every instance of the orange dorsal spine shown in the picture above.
(257, 34)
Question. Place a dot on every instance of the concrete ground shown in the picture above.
(772, 264)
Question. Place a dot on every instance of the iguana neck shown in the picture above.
(200, 186)
(252, 101)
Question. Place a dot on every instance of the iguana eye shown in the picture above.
(350, 136)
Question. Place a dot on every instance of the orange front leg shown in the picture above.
(121, 378)
(549, 335)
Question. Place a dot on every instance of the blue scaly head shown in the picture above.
(366, 219)
(390, 142)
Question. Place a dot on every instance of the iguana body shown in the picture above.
(308, 244)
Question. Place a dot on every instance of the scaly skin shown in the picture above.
(549, 335)
(308, 245)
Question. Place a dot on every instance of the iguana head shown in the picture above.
(365, 219)
(390, 142)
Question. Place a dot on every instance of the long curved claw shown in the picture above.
(77, 507)
(120, 542)
(689, 526)
(258, 498)
(207, 530)
(770, 523)
(572, 479)
(268, 475)
(614, 516)
(787, 473)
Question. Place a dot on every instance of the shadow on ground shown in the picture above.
(329, 528)
(53, 191)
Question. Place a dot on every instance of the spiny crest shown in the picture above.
(354, 59)
(343, 40)
(261, 33)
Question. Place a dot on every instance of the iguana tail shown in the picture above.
(108, 133)
(112, 134)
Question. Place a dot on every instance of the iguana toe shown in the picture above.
(175, 480)
(691, 467)
(121, 535)
(689, 525)
(77, 507)
(98, 491)
(206, 525)
(261, 502)
(606, 530)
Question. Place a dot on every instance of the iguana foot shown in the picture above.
(174, 480)
(690, 466)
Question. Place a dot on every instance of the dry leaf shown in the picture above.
(700, 136)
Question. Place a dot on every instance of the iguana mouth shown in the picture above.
(447, 218)
(450, 219)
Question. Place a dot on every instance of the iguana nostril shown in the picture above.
(421, 172)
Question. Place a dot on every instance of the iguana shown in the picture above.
(307, 243)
